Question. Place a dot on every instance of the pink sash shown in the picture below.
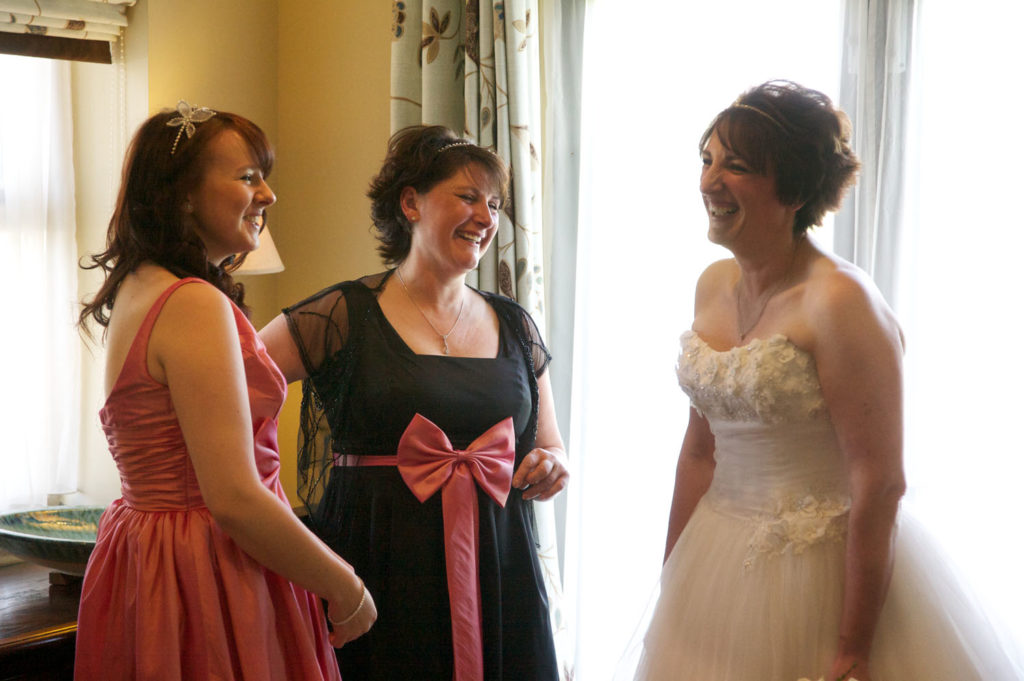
(427, 462)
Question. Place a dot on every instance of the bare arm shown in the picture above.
(543, 472)
(858, 351)
(694, 472)
(281, 346)
(207, 385)
(696, 465)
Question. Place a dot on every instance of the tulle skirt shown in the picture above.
(726, 612)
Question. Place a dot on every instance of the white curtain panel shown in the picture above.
(39, 346)
(875, 93)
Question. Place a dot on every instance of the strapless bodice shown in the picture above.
(776, 453)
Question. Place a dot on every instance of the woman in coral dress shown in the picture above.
(201, 570)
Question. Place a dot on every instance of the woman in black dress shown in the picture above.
(413, 363)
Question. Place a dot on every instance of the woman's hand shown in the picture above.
(542, 474)
(350, 618)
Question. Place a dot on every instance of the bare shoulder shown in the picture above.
(196, 322)
(197, 305)
(842, 301)
(719, 271)
(717, 277)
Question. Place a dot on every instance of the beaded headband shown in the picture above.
(456, 143)
(189, 116)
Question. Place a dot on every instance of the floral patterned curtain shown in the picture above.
(475, 67)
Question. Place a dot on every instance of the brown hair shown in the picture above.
(795, 133)
(420, 157)
(149, 221)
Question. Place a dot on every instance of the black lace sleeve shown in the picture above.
(533, 340)
(319, 326)
(527, 333)
(326, 342)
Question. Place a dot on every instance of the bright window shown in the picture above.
(653, 79)
(39, 399)
(960, 290)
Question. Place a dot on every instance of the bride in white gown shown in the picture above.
(787, 556)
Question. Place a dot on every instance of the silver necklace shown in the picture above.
(760, 313)
(444, 336)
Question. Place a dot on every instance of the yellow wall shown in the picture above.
(333, 121)
(317, 82)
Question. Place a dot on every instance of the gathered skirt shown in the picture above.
(168, 595)
(730, 609)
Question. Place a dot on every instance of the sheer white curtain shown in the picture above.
(874, 91)
(39, 347)
(959, 290)
(655, 73)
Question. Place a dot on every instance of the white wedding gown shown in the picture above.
(752, 590)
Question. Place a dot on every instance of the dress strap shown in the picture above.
(137, 352)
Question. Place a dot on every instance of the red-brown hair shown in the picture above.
(150, 224)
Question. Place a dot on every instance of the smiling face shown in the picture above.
(740, 202)
(455, 221)
(229, 201)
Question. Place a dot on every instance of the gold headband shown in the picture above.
(760, 112)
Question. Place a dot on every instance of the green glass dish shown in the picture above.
(58, 537)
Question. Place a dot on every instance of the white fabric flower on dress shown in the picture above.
(797, 524)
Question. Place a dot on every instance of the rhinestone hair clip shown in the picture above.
(185, 122)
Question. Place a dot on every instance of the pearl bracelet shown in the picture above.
(355, 612)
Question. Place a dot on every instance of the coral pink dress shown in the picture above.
(167, 594)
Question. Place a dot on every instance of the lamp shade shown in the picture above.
(264, 260)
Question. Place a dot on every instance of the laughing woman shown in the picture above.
(418, 377)
(787, 555)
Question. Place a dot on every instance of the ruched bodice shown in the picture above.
(146, 441)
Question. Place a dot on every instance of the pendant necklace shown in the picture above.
(444, 336)
(744, 330)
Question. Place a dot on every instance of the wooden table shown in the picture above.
(38, 622)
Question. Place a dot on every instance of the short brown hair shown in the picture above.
(420, 157)
(795, 133)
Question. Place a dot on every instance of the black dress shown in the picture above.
(365, 385)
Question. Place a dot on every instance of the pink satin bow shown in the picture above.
(427, 462)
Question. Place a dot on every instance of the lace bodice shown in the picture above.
(778, 462)
(768, 380)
